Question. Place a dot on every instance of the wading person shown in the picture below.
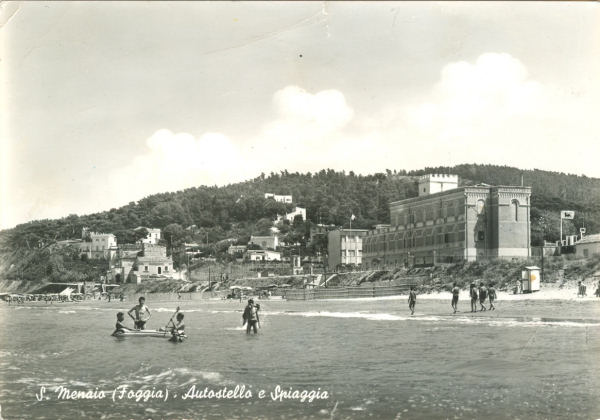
(250, 317)
(482, 296)
(119, 327)
(178, 330)
(412, 300)
(492, 296)
(455, 293)
(473, 294)
(142, 314)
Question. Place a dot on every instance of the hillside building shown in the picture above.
(345, 247)
(263, 255)
(298, 211)
(153, 236)
(265, 242)
(447, 224)
(236, 249)
(98, 245)
(589, 245)
(279, 198)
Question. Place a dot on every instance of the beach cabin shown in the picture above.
(530, 279)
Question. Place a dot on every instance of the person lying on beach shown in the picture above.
(142, 314)
(412, 300)
(492, 296)
(482, 297)
(455, 293)
(119, 327)
(473, 294)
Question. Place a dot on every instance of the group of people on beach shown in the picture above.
(481, 294)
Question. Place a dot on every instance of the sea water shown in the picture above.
(350, 359)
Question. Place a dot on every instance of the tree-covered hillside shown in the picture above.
(212, 214)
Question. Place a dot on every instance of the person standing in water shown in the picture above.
(455, 293)
(142, 314)
(491, 296)
(412, 300)
(482, 297)
(250, 316)
(473, 294)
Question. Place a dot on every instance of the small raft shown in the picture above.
(149, 333)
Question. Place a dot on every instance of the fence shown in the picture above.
(344, 292)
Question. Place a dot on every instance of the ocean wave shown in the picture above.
(180, 376)
(66, 312)
(491, 321)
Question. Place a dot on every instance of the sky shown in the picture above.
(106, 103)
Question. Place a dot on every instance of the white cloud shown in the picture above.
(177, 161)
(326, 110)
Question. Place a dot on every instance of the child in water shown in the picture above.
(119, 327)
(178, 330)
(412, 300)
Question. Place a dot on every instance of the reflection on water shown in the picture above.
(371, 358)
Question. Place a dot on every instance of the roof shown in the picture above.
(589, 239)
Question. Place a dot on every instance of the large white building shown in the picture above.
(345, 247)
(98, 245)
(152, 238)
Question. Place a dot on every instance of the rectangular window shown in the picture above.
(481, 235)
(586, 252)
(146, 268)
(446, 238)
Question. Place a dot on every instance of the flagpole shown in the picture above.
(561, 222)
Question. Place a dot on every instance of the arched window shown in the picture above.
(514, 210)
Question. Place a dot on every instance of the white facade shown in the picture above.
(152, 238)
(265, 241)
(298, 211)
(280, 198)
(262, 255)
(435, 183)
(99, 245)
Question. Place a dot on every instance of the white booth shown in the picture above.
(530, 279)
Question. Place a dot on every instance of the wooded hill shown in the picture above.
(212, 214)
